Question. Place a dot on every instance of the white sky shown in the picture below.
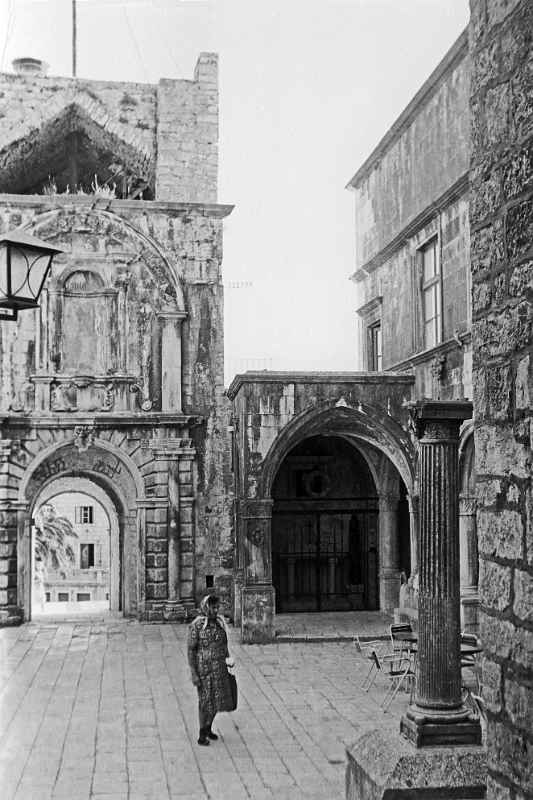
(308, 87)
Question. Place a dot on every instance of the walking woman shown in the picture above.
(207, 650)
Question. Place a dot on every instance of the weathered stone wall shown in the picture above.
(187, 135)
(425, 152)
(501, 219)
(397, 282)
(169, 130)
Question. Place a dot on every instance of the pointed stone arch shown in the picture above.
(103, 148)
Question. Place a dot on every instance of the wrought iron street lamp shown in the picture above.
(25, 262)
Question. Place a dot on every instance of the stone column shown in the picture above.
(469, 566)
(437, 715)
(413, 531)
(389, 571)
(258, 592)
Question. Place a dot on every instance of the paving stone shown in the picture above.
(108, 738)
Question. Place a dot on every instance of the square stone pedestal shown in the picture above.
(385, 765)
(257, 604)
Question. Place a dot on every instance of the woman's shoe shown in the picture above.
(202, 739)
(212, 735)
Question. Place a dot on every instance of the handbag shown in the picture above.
(233, 689)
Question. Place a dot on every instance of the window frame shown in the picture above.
(371, 316)
(431, 287)
(90, 552)
(79, 515)
(375, 347)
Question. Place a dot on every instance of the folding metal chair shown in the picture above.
(397, 645)
(470, 661)
(366, 649)
(397, 670)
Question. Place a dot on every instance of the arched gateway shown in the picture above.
(111, 477)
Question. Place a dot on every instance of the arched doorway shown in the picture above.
(104, 474)
(76, 552)
(325, 529)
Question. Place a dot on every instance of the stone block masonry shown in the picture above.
(502, 267)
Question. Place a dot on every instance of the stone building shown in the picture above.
(412, 264)
(114, 386)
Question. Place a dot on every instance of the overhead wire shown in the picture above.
(9, 30)
(136, 44)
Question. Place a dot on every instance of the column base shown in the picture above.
(10, 616)
(257, 605)
(428, 728)
(383, 764)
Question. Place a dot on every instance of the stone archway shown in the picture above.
(115, 481)
(325, 535)
(67, 491)
(389, 455)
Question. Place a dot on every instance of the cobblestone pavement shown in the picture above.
(107, 711)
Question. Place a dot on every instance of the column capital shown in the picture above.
(441, 419)
(467, 505)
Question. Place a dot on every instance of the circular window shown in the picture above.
(316, 483)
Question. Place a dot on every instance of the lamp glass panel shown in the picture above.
(37, 274)
(28, 271)
(19, 271)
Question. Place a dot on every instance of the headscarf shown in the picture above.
(204, 607)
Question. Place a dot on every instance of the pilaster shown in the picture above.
(469, 566)
(258, 595)
(389, 573)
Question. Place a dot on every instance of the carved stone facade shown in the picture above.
(118, 377)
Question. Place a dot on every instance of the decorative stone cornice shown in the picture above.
(364, 378)
(370, 306)
(151, 502)
(51, 202)
(172, 448)
(148, 419)
(456, 343)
